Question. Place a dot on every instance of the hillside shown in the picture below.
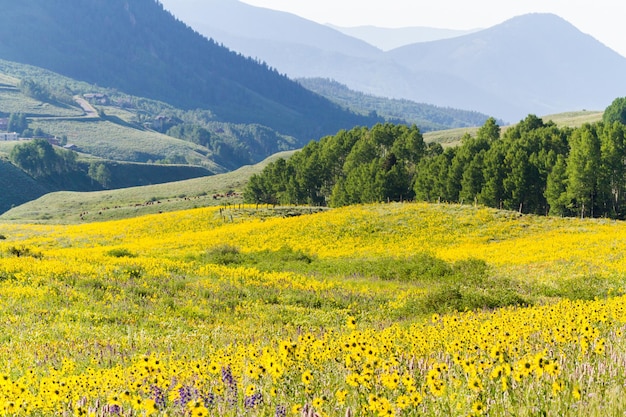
(135, 129)
(137, 47)
(426, 116)
(74, 207)
(16, 187)
(64, 207)
(532, 64)
(439, 310)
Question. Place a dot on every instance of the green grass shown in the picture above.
(13, 101)
(73, 207)
(574, 119)
(16, 187)
(109, 140)
(452, 137)
(449, 137)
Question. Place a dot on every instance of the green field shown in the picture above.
(67, 207)
(452, 137)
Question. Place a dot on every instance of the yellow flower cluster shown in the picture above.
(130, 318)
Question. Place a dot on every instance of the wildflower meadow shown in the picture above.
(377, 310)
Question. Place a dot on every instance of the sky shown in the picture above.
(605, 20)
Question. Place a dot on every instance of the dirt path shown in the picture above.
(89, 110)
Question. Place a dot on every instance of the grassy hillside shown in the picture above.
(452, 137)
(16, 187)
(71, 207)
(132, 128)
(106, 139)
(347, 312)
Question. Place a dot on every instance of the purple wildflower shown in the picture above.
(159, 397)
(253, 400)
(281, 411)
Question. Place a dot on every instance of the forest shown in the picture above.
(532, 167)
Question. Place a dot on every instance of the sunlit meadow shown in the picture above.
(380, 310)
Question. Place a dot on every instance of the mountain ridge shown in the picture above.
(138, 47)
(541, 76)
(387, 39)
(517, 80)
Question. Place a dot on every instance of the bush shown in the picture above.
(23, 251)
(224, 255)
(121, 253)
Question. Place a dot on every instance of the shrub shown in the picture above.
(224, 254)
(21, 251)
(121, 253)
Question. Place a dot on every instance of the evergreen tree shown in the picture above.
(615, 112)
(556, 188)
(583, 167)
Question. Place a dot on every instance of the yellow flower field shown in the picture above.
(379, 310)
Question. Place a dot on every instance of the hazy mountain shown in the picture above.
(293, 45)
(536, 63)
(387, 39)
(232, 22)
(138, 47)
(426, 116)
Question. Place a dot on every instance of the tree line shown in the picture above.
(532, 167)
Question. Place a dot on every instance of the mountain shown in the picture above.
(234, 20)
(536, 63)
(426, 116)
(138, 47)
(391, 38)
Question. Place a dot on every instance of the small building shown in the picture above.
(8, 136)
(97, 98)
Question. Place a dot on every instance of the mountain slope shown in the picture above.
(138, 47)
(16, 187)
(426, 116)
(539, 62)
(232, 19)
(536, 63)
(392, 38)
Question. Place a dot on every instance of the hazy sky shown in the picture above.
(605, 20)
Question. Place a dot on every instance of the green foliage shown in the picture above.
(426, 116)
(357, 166)
(23, 251)
(223, 255)
(40, 159)
(121, 253)
(615, 112)
(585, 288)
(17, 123)
(533, 167)
(458, 286)
(100, 173)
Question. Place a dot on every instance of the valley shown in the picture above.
(241, 212)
